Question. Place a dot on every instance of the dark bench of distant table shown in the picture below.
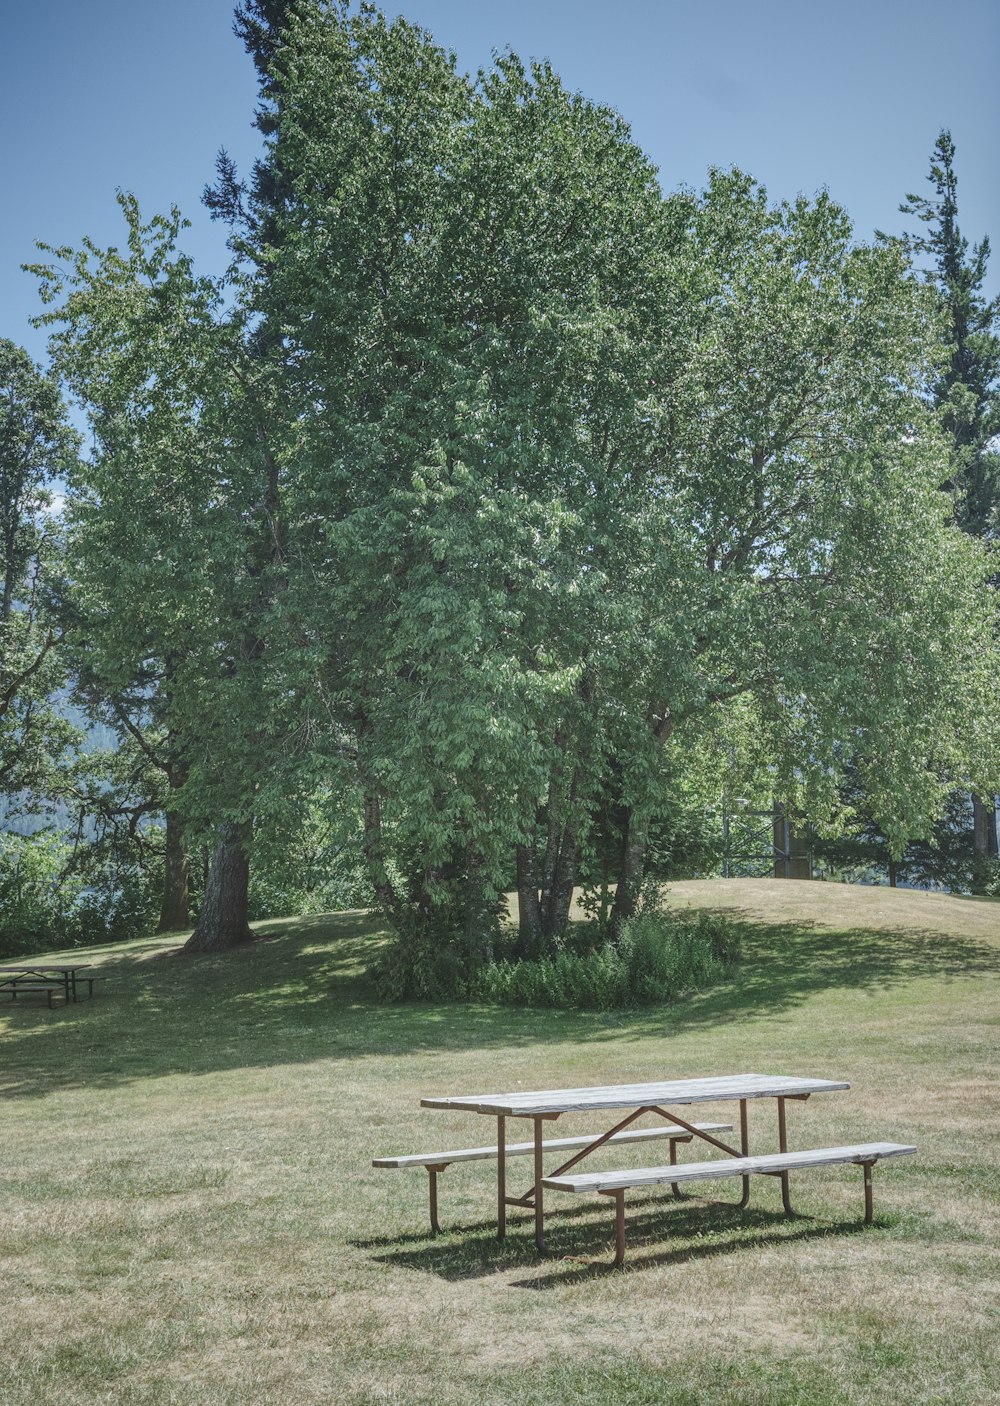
(45, 979)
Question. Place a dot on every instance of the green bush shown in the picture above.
(660, 956)
(421, 969)
(34, 903)
(47, 902)
(311, 861)
(564, 982)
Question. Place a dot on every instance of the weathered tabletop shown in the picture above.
(546, 1105)
(540, 1102)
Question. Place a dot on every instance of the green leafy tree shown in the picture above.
(578, 466)
(180, 494)
(944, 859)
(37, 450)
(447, 331)
(963, 387)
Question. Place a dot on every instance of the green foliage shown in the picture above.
(309, 861)
(33, 901)
(37, 448)
(422, 965)
(966, 389)
(659, 958)
(579, 465)
(167, 496)
(946, 858)
(56, 894)
(494, 484)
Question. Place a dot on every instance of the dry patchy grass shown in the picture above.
(191, 1215)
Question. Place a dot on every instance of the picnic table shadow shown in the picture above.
(580, 1243)
(300, 991)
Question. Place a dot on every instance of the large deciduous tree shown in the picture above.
(502, 479)
(579, 465)
(174, 531)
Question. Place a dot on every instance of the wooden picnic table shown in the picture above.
(41, 976)
(542, 1106)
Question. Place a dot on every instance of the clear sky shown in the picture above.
(140, 94)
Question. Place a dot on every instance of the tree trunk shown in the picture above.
(556, 912)
(630, 876)
(375, 860)
(481, 908)
(552, 837)
(529, 910)
(980, 828)
(636, 841)
(174, 908)
(562, 854)
(222, 921)
(984, 840)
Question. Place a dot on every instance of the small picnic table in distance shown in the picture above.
(45, 977)
(546, 1105)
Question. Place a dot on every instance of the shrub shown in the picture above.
(566, 981)
(416, 967)
(47, 902)
(310, 861)
(659, 957)
(34, 903)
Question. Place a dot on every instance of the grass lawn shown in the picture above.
(190, 1214)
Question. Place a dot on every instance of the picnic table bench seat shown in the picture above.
(34, 986)
(779, 1164)
(436, 1162)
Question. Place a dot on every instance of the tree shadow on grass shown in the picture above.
(637, 1262)
(581, 1244)
(300, 993)
(784, 964)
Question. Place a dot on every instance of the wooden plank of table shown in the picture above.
(556, 1144)
(770, 1164)
(536, 1102)
(29, 969)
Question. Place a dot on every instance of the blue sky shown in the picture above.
(140, 94)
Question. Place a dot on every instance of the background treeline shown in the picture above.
(492, 514)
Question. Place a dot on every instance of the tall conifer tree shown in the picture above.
(968, 389)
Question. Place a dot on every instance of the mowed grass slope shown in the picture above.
(190, 1214)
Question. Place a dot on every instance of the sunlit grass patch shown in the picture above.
(191, 1215)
